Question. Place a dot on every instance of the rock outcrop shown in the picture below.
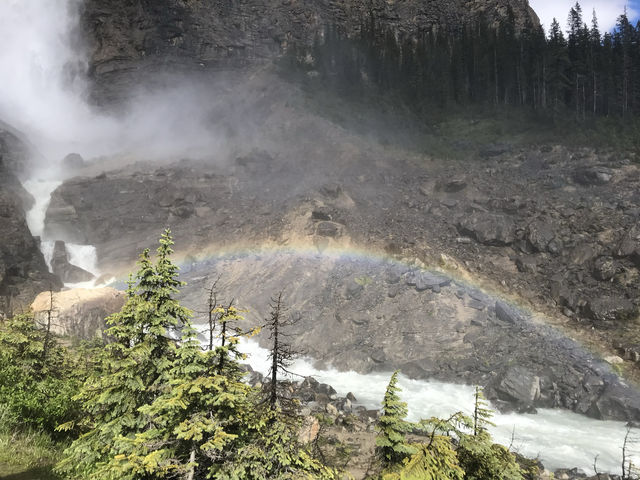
(23, 271)
(66, 271)
(78, 312)
(128, 37)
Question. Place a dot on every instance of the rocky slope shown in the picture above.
(548, 225)
(23, 272)
(128, 37)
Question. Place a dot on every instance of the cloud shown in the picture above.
(607, 11)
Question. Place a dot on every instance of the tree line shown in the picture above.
(581, 72)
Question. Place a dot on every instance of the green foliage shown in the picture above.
(481, 412)
(364, 280)
(158, 407)
(449, 452)
(434, 461)
(481, 459)
(36, 389)
(392, 427)
(274, 452)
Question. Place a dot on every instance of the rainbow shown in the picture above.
(348, 252)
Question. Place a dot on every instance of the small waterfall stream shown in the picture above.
(41, 186)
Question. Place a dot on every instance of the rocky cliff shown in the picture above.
(129, 36)
(23, 271)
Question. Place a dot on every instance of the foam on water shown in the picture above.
(84, 256)
(560, 438)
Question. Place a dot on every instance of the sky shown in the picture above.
(607, 11)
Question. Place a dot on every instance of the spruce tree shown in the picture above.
(134, 370)
(392, 427)
(161, 407)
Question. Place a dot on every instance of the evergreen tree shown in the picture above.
(392, 427)
(36, 388)
(161, 407)
(134, 370)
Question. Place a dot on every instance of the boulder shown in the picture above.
(608, 309)
(73, 161)
(519, 385)
(427, 281)
(508, 314)
(453, 185)
(540, 235)
(630, 245)
(488, 228)
(604, 268)
(617, 401)
(78, 312)
(592, 175)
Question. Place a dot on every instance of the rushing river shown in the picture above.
(559, 438)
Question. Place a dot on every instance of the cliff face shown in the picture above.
(132, 35)
(23, 271)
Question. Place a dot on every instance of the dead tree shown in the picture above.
(629, 450)
(281, 353)
(46, 343)
(213, 314)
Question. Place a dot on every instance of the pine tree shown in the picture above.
(161, 407)
(134, 370)
(481, 412)
(392, 427)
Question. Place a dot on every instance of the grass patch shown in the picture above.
(26, 455)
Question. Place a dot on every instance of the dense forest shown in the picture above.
(583, 72)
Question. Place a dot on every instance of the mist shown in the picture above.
(45, 94)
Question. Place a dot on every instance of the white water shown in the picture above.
(41, 190)
(560, 438)
(40, 186)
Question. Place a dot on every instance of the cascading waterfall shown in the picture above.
(83, 256)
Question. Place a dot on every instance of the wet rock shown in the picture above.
(78, 312)
(488, 229)
(321, 214)
(519, 385)
(67, 272)
(617, 401)
(23, 271)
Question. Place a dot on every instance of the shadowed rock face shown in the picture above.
(23, 271)
(127, 36)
